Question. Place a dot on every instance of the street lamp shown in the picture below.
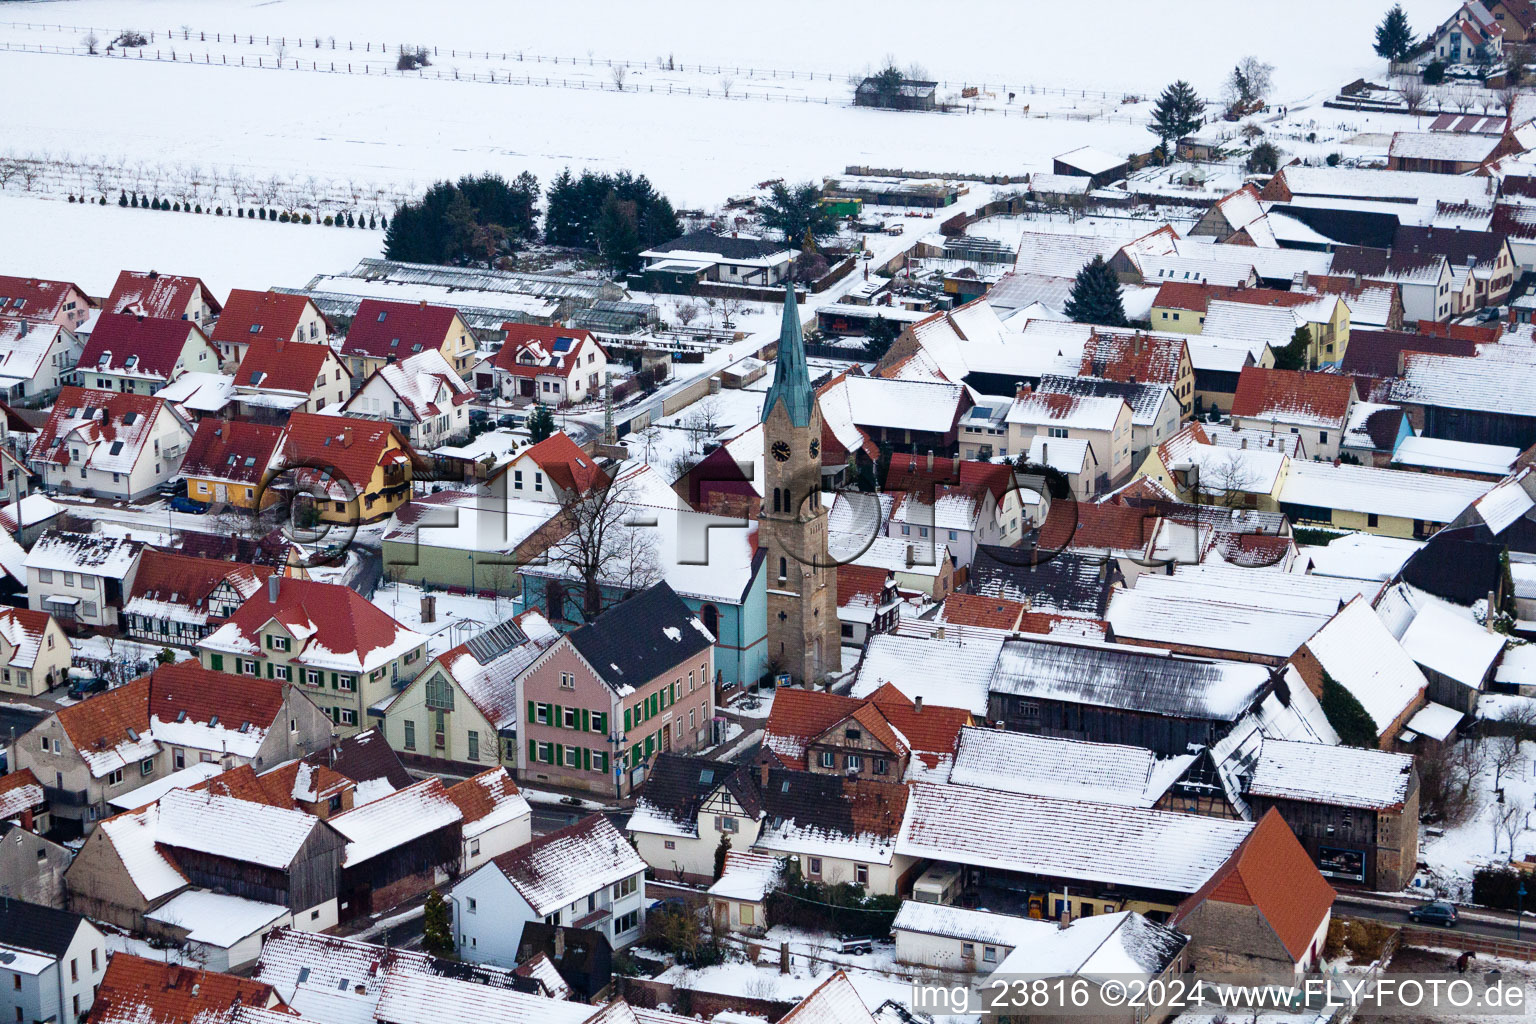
(1519, 907)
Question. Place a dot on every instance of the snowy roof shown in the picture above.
(488, 800)
(19, 791)
(909, 405)
(106, 431)
(1121, 676)
(1349, 182)
(1464, 382)
(559, 867)
(1073, 412)
(1505, 504)
(1254, 324)
(468, 521)
(1222, 354)
(132, 836)
(912, 656)
(835, 1001)
(1356, 649)
(1299, 397)
(1362, 556)
(1067, 454)
(91, 553)
(486, 668)
(1146, 399)
(1452, 645)
(1067, 769)
(1435, 721)
(24, 344)
(1091, 161)
(409, 998)
(187, 778)
(1324, 774)
(1388, 492)
(425, 385)
(1069, 839)
(747, 876)
(216, 919)
(1100, 947)
(978, 926)
(394, 820)
(225, 826)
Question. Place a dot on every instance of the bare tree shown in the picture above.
(30, 171)
(1513, 814)
(730, 308)
(1226, 477)
(1463, 99)
(726, 83)
(687, 312)
(1413, 92)
(91, 41)
(279, 50)
(1503, 755)
(1507, 99)
(10, 167)
(702, 422)
(611, 543)
(1448, 781)
(619, 72)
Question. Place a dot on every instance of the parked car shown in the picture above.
(182, 503)
(84, 686)
(171, 488)
(1437, 912)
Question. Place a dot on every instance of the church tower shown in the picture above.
(803, 633)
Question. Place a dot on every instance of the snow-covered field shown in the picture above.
(90, 244)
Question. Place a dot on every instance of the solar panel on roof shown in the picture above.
(496, 641)
(563, 344)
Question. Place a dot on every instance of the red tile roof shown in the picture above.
(350, 446)
(382, 329)
(1288, 394)
(980, 610)
(1132, 356)
(531, 350)
(798, 716)
(1196, 296)
(1271, 872)
(135, 990)
(563, 461)
(19, 791)
(1107, 525)
(40, 300)
(327, 616)
(93, 418)
(231, 450)
(275, 364)
(171, 578)
(1460, 332)
(274, 314)
(150, 293)
(860, 581)
(153, 343)
(481, 794)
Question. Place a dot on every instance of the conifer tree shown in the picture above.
(437, 927)
(1095, 297)
(1394, 39)
(1178, 112)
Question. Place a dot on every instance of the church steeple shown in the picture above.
(791, 378)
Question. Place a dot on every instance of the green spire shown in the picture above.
(791, 379)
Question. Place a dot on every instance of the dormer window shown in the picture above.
(255, 328)
(382, 314)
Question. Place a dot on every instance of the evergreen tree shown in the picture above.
(721, 850)
(541, 423)
(1095, 297)
(796, 211)
(878, 339)
(618, 235)
(1294, 355)
(437, 925)
(1394, 39)
(477, 218)
(1178, 112)
(1355, 726)
(122, 198)
(1264, 158)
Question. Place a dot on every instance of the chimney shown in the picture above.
(274, 582)
(26, 820)
(762, 772)
(938, 632)
(1243, 445)
(346, 437)
(1021, 390)
(559, 944)
(930, 460)
(917, 704)
(428, 608)
(423, 303)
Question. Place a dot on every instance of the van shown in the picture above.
(938, 884)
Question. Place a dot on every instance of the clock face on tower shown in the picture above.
(781, 451)
(815, 448)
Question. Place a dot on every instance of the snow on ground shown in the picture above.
(117, 943)
(1195, 39)
(539, 796)
(459, 616)
(90, 244)
(1455, 855)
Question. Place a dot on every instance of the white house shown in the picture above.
(733, 260)
(421, 396)
(115, 444)
(497, 818)
(143, 354)
(555, 365)
(583, 876)
(224, 932)
(1104, 422)
(553, 471)
(35, 358)
(81, 578)
(54, 960)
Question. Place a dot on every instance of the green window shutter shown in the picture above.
(600, 722)
(533, 752)
(586, 759)
(270, 672)
(216, 662)
(586, 720)
(600, 762)
(650, 744)
(335, 681)
(558, 716)
(533, 712)
(627, 725)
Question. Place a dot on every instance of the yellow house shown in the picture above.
(384, 331)
(1256, 314)
(228, 459)
(357, 470)
(1193, 468)
(1388, 502)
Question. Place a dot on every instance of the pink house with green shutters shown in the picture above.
(608, 697)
